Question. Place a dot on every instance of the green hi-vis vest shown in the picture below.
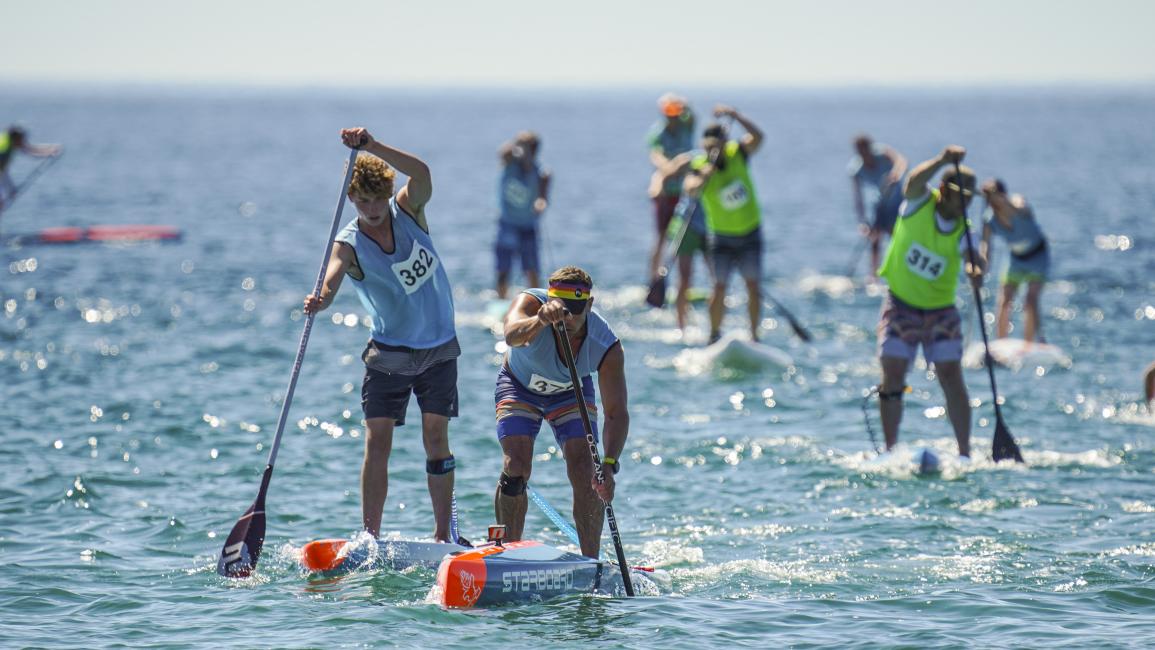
(922, 264)
(5, 148)
(728, 196)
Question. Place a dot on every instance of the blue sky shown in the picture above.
(595, 42)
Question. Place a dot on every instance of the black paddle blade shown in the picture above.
(243, 547)
(1004, 445)
(800, 331)
(657, 295)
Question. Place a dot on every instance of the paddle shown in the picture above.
(553, 515)
(794, 324)
(656, 297)
(563, 342)
(242, 549)
(22, 187)
(1003, 445)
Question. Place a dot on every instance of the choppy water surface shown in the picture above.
(139, 385)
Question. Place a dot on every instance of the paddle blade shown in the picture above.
(243, 547)
(1004, 445)
(657, 295)
(800, 331)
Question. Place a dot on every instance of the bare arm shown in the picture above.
(859, 205)
(612, 382)
(505, 152)
(527, 318)
(921, 175)
(340, 258)
(542, 200)
(418, 189)
(985, 246)
(899, 164)
(752, 140)
(658, 158)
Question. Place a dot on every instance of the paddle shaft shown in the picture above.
(794, 324)
(990, 363)
(599, 472)
(27, 182)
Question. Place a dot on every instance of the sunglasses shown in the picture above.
(957, 190)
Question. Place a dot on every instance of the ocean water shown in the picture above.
(140, 384)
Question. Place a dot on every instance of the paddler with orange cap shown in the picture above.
(671, 139)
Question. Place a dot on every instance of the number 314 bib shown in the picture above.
(924, 263)
(415, 271)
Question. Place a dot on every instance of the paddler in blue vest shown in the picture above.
(534, 384)
(922, 267)
(12, 141)
(733, 216)
(389, 256)
(1010, 217)
(879, 170)
(523, 195)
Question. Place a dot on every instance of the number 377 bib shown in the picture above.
(416, 271)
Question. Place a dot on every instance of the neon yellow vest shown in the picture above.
(922, 264)
(728, 196)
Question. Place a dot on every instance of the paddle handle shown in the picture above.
(309, 318)
(599, 471)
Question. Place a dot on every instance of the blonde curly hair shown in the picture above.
(372, 178)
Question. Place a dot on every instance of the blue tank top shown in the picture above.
(517, 191)
(407, 292)
(540, 368)
(1023, 237)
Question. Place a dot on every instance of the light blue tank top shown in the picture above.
(1023, 237)
(540, 368)
(517, 190)
(406, 293)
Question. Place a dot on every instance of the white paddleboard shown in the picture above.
(1017, 353)
(732, 353)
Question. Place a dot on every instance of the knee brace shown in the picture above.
(511, 486)
(892, 395)
(443, 466)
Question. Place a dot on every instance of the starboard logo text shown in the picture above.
(537, 580)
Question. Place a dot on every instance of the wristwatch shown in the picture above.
(612, 462)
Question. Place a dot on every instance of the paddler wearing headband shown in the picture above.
(534, 384)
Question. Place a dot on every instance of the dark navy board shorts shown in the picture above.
(385, 395)
(516, 241)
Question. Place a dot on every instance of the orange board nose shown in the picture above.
(461, 576)
(323, 554)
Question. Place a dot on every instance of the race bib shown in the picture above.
(543, 386)
(415, 271)
(516, 193)
(924, 263)
(734, 195)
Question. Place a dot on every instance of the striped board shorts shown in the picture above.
(520, 410)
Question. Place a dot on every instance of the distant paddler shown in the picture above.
(388, 254)
(687, 231)
(1013, 220)
(879, 170)
(534, 384)
(670, 139)
(720, 178)
(523, 196)
(922, 267)
(12, 141)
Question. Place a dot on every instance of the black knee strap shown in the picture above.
(443, 466)
(511, 486)
(892, 395)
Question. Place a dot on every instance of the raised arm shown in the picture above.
(921, 175)
(752, 140)
(418, 189)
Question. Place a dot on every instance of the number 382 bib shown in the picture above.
(416, 271)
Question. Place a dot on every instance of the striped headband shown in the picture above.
(569, 291)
